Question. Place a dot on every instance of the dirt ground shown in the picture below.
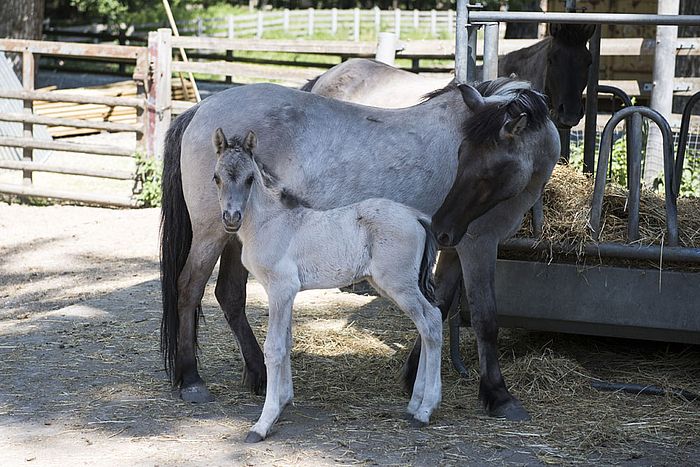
(81, 379)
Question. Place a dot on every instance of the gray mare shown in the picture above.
(330, 153)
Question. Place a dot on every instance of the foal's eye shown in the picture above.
(249, 180)
(216, 179)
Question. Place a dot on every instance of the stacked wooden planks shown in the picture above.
(99, 112)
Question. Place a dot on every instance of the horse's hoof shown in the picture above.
(253, 437)
(512, 410)
(255, 380)
(417, 424)
(196, 393)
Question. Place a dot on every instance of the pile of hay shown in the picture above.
(567, 204)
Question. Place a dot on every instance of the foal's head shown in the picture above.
(568, 61)
(234, 175)
(494, 164)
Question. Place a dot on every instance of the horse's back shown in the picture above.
(376, 84)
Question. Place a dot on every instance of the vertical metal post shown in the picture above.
(377, 19)
(334, 21)
(356, 24)
(662, 95)
(472, 31)
(28, 133)
(634, 174)
(416, 14)
(433, 21)
(285, 20)
(260, 26)
(490, 51)
(230, 34)
(589, 145)
(461, 41)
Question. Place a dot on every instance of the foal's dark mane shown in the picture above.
(508, 100)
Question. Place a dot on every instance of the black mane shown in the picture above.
(484, 125)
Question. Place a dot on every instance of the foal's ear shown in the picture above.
(513, 127)
(250, 142)
(471, 97)
(219, 140)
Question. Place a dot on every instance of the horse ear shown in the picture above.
(219, 140)
(513, 127)
(513, 76)
(250, 142)
(471, 97)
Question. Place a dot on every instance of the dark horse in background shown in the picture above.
(556, 66)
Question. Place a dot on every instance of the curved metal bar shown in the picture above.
(600, 179)
(634, 161)
(683, 141)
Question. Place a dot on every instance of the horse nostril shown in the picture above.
(225, 216)
(443, 239)
(237, 216)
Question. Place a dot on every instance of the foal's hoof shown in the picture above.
(253, 437)
(417, 424)
(512, 410)
(196, 393)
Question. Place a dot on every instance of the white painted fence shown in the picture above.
(342, 24)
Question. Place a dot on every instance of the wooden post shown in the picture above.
(160, 83)
(285, 20)
(416, 19)
(261, 27)
(334, 21)
(311, 22)
(433, 22)
(28, 84)
(397, 22)
(231, 27)
(386, 48)
(377, 19)
(356, 26)
(662, 95)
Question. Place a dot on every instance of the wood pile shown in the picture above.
(99, 112)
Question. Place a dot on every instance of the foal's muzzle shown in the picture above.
(231, 220)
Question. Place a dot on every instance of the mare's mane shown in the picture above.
(503, 98)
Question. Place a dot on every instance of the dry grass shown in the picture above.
(567, 204)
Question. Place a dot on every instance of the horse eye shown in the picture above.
(249, 180)
(216, 179)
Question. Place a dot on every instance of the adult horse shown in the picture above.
(556, 66)
(341, 153)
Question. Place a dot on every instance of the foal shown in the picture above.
(289, 247)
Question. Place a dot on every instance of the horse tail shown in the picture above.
(175, 237)
(309, 84)
(425, 277)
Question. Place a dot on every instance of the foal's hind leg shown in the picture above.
(231, 294)
(447, 282)
(191, 283)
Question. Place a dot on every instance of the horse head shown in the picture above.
(493, 165)
(568, 61)
(234, 175)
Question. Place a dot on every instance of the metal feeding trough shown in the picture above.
(634, 302)
(653, 303)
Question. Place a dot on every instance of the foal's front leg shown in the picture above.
(277, 350)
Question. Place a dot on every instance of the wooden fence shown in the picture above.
(354, 24)
(144, 106)
(154, 105)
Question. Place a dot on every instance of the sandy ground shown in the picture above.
(81, 380)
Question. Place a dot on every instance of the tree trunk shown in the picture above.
(22, 19)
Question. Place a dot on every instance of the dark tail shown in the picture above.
(309, 84)
(425, 279)
(175, 238)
